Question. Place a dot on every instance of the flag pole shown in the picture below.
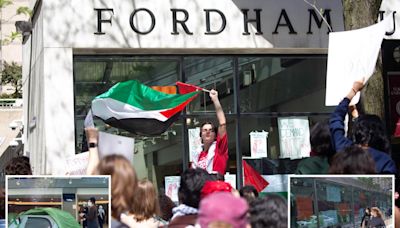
(206, 90)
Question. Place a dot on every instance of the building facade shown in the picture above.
(267, 59)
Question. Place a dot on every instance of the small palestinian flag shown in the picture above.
(139, 109)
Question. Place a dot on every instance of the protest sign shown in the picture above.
(352, 56)
(116, 144)
(258, 144)
(294, 137)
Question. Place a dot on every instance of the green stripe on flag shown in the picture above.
(143, 97)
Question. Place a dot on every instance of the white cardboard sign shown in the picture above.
(258, 144)
(294, 137)
(352, 56)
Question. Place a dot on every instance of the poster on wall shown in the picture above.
(294, 137)
(304, 207)
(333, 194)
(194, 143)
(258, 144)
(171, 187)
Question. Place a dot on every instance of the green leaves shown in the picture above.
(12, 74)
(24, 10)
(5, 3)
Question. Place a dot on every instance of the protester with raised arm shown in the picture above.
(214, 154)
(368, 132)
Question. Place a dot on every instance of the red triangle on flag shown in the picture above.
(185, 88)
(252, 177)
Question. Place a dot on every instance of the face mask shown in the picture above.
(90, 204)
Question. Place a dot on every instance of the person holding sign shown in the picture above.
(368, 132)
(214, 154)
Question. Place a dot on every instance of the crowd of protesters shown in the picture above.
(205, 200)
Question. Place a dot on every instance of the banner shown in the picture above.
(294, 137)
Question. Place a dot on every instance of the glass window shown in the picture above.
(334, 204)
(302, 203)
(265, 147)
(210, 73)
(282, 84)
(154, 157)
(33, 222)
(271, 88)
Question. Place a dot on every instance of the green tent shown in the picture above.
(62, 218)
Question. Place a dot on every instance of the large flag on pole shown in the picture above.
(139, 109)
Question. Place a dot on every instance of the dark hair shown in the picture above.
(270, 211)
(166, 205)
(249, 193)
(212, 126)
(353, 160)
(369, 130)
(93, 200)
(320, 139)
(18, 166)
(192, 181)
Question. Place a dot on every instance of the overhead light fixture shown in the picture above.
(70, 181)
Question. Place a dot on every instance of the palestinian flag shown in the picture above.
(139, 109)
(252, 177)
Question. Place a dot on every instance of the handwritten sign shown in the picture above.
(352, 56)
(258, 144)
(77, 164)
(294, 137)
(172, 186)
(194, 143)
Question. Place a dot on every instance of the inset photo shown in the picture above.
(58, 202)
(341, 201)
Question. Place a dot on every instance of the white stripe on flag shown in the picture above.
(106, 108)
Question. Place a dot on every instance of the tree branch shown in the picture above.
(322, 16)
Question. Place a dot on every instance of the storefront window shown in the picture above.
(334, 204)
(210, 73)
(303, 212)
(286, 84)
(272, 95)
